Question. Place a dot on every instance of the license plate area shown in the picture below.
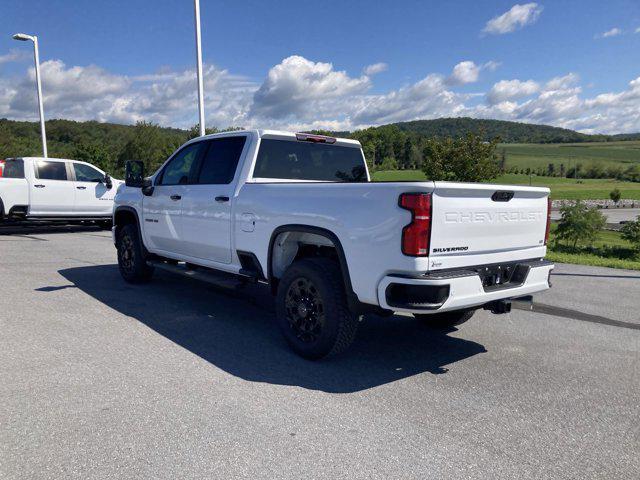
(502, 276)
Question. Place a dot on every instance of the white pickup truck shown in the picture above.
(299, 212)
(33, 188)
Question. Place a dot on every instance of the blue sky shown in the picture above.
(304, 64)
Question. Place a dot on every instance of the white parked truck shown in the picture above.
(33, 188)
(299, 212)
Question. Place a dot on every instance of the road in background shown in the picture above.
(177, 379)
(614, 215)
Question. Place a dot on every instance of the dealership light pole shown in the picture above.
(196, 5)
(23, 38)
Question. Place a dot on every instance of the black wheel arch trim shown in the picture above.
(342, 259)
(133, 211)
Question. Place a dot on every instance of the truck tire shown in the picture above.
(131, 261)
(445, 319)
(312, 311)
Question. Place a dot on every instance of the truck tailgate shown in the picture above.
(478, 224)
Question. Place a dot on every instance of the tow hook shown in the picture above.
(499, 306)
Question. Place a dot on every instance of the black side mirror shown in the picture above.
(147, 187)
(134, 174)
(107, 181)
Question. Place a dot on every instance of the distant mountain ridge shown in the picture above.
(506, 131)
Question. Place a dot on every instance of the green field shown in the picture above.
(609, 250)
(561, 188)
(534, 156)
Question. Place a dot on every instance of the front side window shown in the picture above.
(13, 169)
(220, 162)
(85, 173)
(52, 170)
(178, 169)
(294, 160)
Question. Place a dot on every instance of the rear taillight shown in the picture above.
(546, 233)
(416, 235)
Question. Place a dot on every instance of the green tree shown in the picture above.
(615, 195)
(551, 170)
(98, 155)
(579, 223)
(149, 145)
(502, 165)
(631, 232)
(468, 159)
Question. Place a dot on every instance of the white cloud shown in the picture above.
(492, 65)
(300, 94)
(298, 86)
(517, 17)
(463, 73)
(427, 98)
(562, 83)
(637, 30)
(468, 72)
(506, 90)
(14, 56)
(614, 32)
(92, 93)
(376, 68)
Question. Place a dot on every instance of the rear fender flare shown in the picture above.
(332, 237)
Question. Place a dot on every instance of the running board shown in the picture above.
(203, 274)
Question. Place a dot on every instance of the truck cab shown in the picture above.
(34, 188)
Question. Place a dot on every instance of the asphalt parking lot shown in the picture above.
(178, 379)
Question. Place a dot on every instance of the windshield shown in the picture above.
(294, 160)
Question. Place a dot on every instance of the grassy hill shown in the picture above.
(508, 132)
(606, 154)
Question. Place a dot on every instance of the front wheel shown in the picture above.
(131, 262)
(445, 319)
(312, 309)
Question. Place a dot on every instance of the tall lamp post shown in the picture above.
(196, 6)
(23, 37)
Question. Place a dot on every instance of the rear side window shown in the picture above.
(85, 173)
(221, 160)
(178, 169)
(13, 169)
(294, 160)
(52, 170)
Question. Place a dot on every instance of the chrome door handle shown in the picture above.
(175, 198)
(39, 186)
(222, 198)
(81, 188)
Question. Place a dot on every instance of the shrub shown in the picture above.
(467, 159)
(579, 223)
(631, 232)
(615, 195)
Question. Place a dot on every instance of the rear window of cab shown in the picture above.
(292, 160)
(12, 168)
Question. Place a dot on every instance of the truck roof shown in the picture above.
(47, 158)
(282, 134)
